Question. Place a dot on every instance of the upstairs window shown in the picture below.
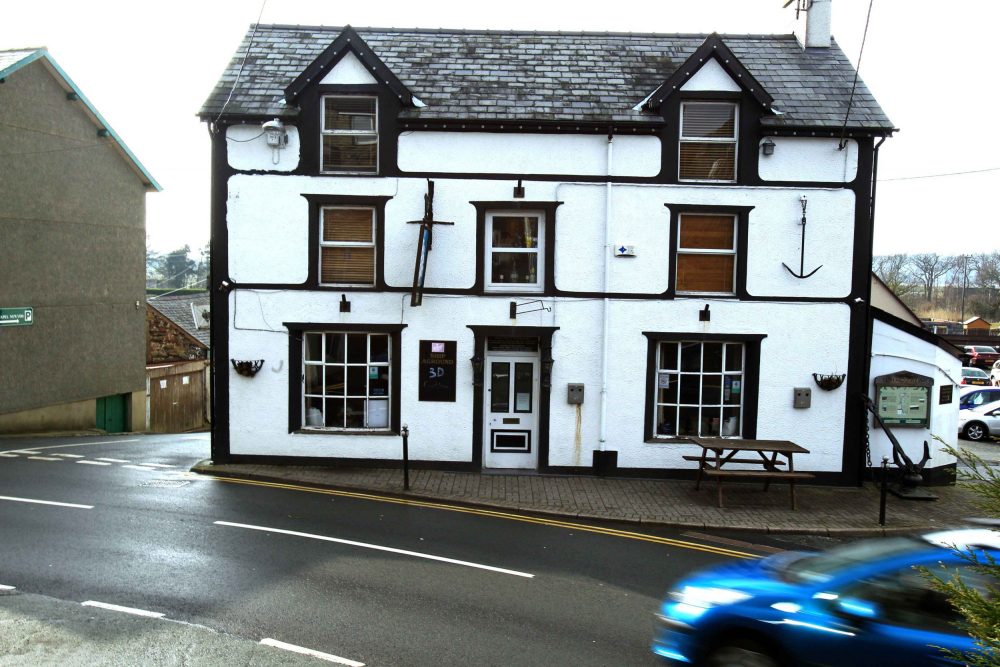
(350, 134)
(708, 141)
(347, 246)
(706, 253)
(515, 253)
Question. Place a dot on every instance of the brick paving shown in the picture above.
(822, 510)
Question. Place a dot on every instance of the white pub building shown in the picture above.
(558, 252)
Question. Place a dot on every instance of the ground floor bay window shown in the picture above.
(701, 386)
(344, 378)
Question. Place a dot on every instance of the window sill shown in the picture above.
(330, 431)
(668, 440)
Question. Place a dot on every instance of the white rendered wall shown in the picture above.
(809, 159)
(485, 152)
(348, 71)
(269, 231)
(894, 350)
(711, 77)
(248, 150)
(443, 431)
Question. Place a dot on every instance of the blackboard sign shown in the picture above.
(437, 370)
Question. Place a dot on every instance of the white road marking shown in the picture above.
(139, 468)
(310, 652)
(70, 456)
(46, 502)
(23, 451)
(157, 465)
(100, 458)
(44, 458)
(33, 450)
(6, 588)
(126, 610)
(377, 547)
(8, 456)
(95, 463)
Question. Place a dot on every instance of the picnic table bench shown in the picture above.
(716, 453)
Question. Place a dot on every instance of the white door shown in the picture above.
(510, 424)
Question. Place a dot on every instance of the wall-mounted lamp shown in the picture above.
(345, 305)
(477, 370)
(72, 97)
(705, 315)
(547, 362)
(768, 146)
(519, 190)
(103, 133)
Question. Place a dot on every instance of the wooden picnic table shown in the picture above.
(717, 453)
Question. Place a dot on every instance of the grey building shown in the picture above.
(72, 229)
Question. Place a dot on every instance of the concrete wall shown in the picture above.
(72, 224)
(71, 417)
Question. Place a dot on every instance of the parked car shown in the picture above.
(977, 376)
(859, 604)
(995, 374)
(971, 396)
(982, 356)
(979, 422)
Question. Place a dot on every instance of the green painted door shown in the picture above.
(112, 412)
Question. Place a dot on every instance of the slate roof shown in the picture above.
(501, 75)
(177, 308)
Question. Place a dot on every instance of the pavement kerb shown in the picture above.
(206, 468)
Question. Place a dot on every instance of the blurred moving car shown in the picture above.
(982, 356)
(858, 604)
(977, 376)
(971, 396)
(980, 422)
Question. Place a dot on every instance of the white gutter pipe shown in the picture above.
(603, 437)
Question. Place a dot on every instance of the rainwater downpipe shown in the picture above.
(606, 284)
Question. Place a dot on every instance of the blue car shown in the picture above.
(863, 603)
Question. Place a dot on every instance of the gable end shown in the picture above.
(348, 41)
(712, 48)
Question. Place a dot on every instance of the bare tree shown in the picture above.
(928, 268)
(894, 271)
(987, 283)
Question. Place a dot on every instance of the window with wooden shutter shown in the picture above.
(706, 253)
(708, 137)
(347, 246)
(350, 134)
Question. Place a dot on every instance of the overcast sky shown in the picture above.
(148, 66)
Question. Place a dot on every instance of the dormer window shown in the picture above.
(709, 131)
(349, 134)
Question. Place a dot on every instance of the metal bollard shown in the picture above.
(885, 481)
(406, 457)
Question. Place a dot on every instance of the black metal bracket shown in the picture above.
(514, 305)
(802, 256)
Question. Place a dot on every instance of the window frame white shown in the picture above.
(345, 364)
(741, 375)
(323, 132)
(373, 244)
(539, 284)
(735, 140)
(733, 252)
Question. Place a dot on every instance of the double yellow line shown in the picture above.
(555, 523)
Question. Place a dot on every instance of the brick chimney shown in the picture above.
(814, 20)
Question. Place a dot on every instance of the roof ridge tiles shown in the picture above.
(514, 31)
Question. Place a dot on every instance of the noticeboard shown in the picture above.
(437, 370)
(903, 399)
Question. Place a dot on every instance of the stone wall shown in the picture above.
(166, 341)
